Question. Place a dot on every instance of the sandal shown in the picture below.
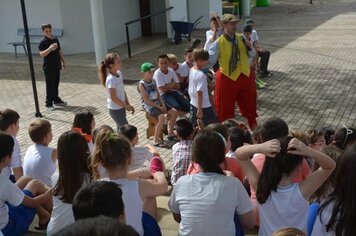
(161, 145)
(41, 226)
(172, 138)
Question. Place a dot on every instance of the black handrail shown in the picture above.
(139, 19)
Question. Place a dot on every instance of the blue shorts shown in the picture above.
(150, 225)
(20, 218)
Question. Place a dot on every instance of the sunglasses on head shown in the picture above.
(348, 132)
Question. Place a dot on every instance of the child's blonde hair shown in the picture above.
(110, 150)
(172, 58)
(105, 65)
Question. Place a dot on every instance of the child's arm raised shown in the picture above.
(317, 178)
(155, 187)
(243, 154)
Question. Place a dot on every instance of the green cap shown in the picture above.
(147, 67)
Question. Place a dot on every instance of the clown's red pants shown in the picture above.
(242, 91)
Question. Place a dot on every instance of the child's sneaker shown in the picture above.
(259, 85)
(262, 82)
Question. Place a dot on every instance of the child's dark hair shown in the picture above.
(184, 128)
(163, 56)
(343, 198)
(83, 119)
(313, 135)
(209, 151)
(237, 138)
(102, 127)
(328, 134)
(7, 118)
(39, 129)
(98, 198)
(188, 50)
(128, 131)
(273, 128)
(321, 193)
(200, 54)
(344, 137)
(220, 128)
(275, 168)
(47, 25)
(195, 43)
(97, 226)
(230, 123)
(110, 150)
(7, 145)
(73, 158)
(105, 65)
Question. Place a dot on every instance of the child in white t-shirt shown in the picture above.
(18, 202)
(40, 160)
(113, 152)
(111, 77)
(9, 124)
(200, 106)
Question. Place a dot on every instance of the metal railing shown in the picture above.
(139, 19)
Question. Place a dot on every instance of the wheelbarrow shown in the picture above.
(183, 29)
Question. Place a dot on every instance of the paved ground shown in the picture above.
(313, 63)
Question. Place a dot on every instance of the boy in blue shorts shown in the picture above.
(18, 202)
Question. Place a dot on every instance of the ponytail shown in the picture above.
(209, 151)
(274, 169)
(110, 150)
(104, 65)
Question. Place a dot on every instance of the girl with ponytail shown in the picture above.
(281, 202)
(205, 203)
(111, 78)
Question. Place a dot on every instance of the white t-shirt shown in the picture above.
(10, 193)
(254, 36)
(198, 82)
(319, 228)
(163, 79)
(118, 84)
(284, 208)
(38, 163)
(133, 203)
(207, 203)
(183, 69)
(139, 156)
(15, 160)
(209, 37)
(62, 213)
(251, 53)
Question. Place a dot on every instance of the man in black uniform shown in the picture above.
(53, 62)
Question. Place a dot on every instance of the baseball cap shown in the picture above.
(147, 67)
(229, 18)
(249, 21)
(247, 28)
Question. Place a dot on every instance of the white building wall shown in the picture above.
(77, 26)
(116, 13)
(197, 8)
(38, 12)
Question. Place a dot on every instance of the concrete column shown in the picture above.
(246, 8)
(99, 33)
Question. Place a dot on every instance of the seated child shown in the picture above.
(238, 138)
(197, 43)
(168, 86)
(188, 61)
(18, 202)
(40, 160)
(230, 164)
(200, 106)
(141, 156)
(153, 104)
(206, 203)
(9, 124)
(99, 198)
(84, 123)
(181, 72)
(182, 151)
(113, 152)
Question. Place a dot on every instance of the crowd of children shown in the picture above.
(226, 178)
